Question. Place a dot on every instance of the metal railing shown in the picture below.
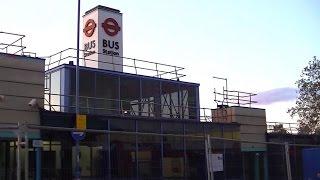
(235, 98)
(95, 105)
(12, 43)
(129, 65)
(282, 127)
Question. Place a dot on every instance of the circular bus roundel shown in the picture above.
(111, 27)
(89, 27)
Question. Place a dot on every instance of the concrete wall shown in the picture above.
(21, 80)
(252, 124)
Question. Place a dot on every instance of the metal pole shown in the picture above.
(26, 160)
(77, 67)
(162, 152)
(18, 153)
(77, 173)
(38, 163)
(286, 146)
(227, 90)
(256, 166)
(207, 157)
(265, 165)
(210, 173)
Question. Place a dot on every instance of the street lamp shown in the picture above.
(77, 170)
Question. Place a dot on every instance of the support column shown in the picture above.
(256, 167)
(265, 166)
(18, 155)
(210, 173)
(286, 146)
(38, 163)
(26, 158)
(162, 164)
(77, 168)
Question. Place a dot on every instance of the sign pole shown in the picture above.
(26, 160)
(77, 173)
(77, 67)
(286, 147)
(38, 163)
(77, 160)
(38, 144)
(18, 153)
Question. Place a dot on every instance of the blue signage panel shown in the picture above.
(311, 163)
(78, 136)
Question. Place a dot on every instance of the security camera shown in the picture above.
(2, 97)
(33, 103)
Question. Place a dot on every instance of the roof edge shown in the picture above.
(102, 8)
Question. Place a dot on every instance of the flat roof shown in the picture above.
(20, 56)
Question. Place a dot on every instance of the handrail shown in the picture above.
(286, 127)
(164, 72)
(137, 64)
(233, 97)
(18, 38)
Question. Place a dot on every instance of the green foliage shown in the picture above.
(279, 129)
(307, 108)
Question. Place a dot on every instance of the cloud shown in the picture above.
(276, 95)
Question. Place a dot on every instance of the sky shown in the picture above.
(259, 46)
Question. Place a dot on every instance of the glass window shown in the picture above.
(232, 159)
(107, 93)
(189, 104)
(149, 157)
(86, 91)
(170, 100)
(55, 90)
(173, 160)
(195, 166)
(94, 155)
(123, 156)
(150, 102)
(130, 96)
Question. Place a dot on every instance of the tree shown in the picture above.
(278, 128)
(307, 108)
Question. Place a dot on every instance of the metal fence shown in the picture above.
(12, 43)
(115, 154)
(129, 65)
(282, 127)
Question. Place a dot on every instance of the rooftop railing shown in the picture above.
(11, 43)
(130, 65)
(282, 127)
(234, 98)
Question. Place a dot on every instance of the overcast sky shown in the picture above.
(260, 46)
